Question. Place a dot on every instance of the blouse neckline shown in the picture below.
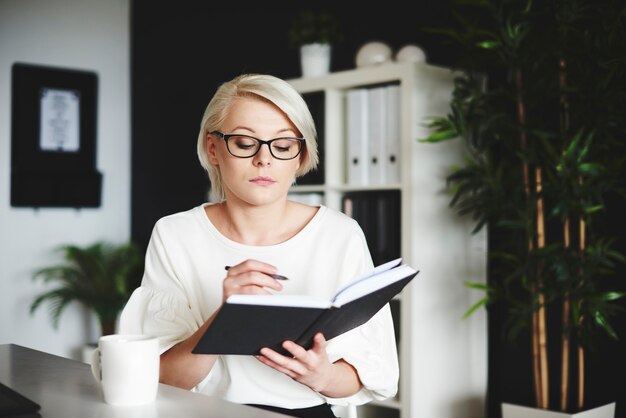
(210, 227)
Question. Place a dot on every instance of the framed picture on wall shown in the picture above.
(53, 137)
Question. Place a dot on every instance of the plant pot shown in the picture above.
(517, 411)
(315, 59)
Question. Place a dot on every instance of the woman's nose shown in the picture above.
(263, 156)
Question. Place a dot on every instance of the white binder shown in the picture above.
(357, 133)
(392, 148)
(377, 104)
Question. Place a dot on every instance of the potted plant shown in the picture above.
(101, 276)
(314, 34)
(539, 104)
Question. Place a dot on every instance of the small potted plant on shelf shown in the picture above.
(100, 276)
(314, 34)
(545, 143)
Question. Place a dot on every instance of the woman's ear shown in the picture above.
(211, 149)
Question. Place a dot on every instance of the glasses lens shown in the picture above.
(285, 148)
(242, 146)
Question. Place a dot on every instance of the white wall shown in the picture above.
(82, 34)
(449, 354)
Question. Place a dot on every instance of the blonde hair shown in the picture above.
(263, 87)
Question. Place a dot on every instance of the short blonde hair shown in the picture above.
(263, 87)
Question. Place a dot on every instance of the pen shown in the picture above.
(274, 276)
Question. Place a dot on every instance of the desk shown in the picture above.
(66, 389)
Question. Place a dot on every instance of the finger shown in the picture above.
(319, 343)
(289, 363)
(259, 279)
(253, 278)
(232, 286)
(276, 366)
(253, 265)
(298, 352)
(244, 290)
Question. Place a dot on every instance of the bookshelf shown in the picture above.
(443, 362)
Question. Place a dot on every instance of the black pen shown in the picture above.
(274, 276)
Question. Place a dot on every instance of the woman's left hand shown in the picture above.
(309, 367)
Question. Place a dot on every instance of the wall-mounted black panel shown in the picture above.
(53, 137)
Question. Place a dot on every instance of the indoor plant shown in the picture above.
(540, 104)
(101, 276)
(314, 34)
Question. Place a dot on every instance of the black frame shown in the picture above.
(226, 137)
(52, 177)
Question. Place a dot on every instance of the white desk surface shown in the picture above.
(66, 389)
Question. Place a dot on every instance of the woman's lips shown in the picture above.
(262, 181)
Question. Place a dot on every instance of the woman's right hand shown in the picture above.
(250, 277)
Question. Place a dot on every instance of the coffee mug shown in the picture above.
(127, 367)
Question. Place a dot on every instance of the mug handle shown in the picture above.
(95, 364)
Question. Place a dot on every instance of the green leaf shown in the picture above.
(611, 296)
(440, 136)
(593, 209)
(488, 44)
(479, 286)
(483, 301)
(603, 323)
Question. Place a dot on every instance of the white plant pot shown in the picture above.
(315, 59)
(517, 411)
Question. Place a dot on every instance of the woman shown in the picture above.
(256, 136)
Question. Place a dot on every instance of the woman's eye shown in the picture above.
(283, 146)
(243, 142)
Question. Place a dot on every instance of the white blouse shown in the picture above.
(182, 287)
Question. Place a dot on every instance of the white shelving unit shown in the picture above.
(443, 360)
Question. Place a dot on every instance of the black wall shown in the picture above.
(182, 51)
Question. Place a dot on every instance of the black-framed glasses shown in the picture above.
(246, 146)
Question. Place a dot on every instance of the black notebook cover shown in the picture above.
(245, 329)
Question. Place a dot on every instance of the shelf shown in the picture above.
(430, 233)
(389, 72)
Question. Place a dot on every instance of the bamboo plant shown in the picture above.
(101, 276)
(540, 105)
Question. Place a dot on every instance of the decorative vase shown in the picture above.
(372, 54)
(315, 59)
(410, 53)
(517, 411)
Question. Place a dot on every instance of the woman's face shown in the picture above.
(261, 179)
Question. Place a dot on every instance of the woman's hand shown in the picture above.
(313, 369)
(250, 277)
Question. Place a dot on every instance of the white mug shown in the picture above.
(127, 367)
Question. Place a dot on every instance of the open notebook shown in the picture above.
(246, 323)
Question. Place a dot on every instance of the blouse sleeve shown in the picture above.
(371, 350)
(159, 307)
